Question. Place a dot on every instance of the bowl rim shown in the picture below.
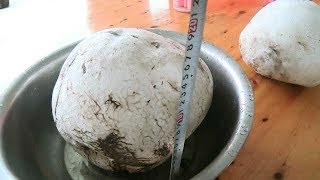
(224, 158)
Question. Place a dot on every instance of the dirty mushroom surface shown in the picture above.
(282, 42)
(116, 98)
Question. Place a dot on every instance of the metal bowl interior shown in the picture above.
(31, 147)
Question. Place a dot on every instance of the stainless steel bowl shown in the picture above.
(31, 147)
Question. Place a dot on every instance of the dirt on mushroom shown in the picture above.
(120, 112)
(282, 42)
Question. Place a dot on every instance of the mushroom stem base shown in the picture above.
(80, 169)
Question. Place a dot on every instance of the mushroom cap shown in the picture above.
(116, 98)
(282, 41)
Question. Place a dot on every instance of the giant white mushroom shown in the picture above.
(116, 98)
(282, 41)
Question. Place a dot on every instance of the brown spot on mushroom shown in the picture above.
(275, 50)
(201, 66)
(113, 33)
(284, 76)
(115, 147)
(225, 31)
(173, 86)
(83, 148)
(255, 66)
(97, 105)
(84, 69)
(277, 176)
(74, 58)
(269, 75)
(162, 151)
(90, 60)
(154, 26)
(304, 45)
(115, 103)
(265, 119)
(83, 53)
(232, 163)
(242, 12)
(155, 44)
(275, 56)
(158, 123)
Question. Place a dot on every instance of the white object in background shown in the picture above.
(30, 30)
(282, 42)
(182, 5)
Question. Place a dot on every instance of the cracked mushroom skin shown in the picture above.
(116, 98)
(282, 42)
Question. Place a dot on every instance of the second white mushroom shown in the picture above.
(282, 42)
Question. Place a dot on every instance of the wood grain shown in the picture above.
(284, 142)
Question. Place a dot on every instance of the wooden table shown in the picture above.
(284, 142)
